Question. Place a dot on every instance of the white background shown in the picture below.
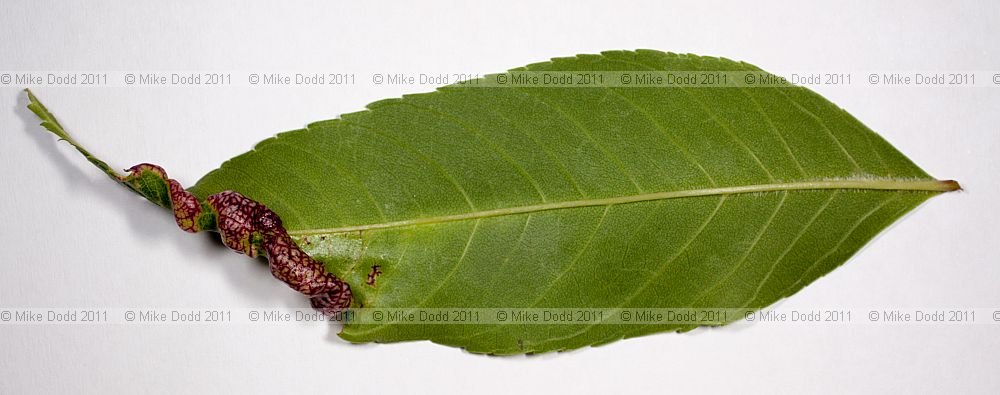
(71, 238)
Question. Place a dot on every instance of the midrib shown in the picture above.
(862, 184)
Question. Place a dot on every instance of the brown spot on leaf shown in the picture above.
(373, 275)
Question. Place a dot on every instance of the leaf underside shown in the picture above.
(458, 196)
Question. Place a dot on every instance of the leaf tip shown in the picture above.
(950, 185)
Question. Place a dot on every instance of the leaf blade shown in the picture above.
(528, 157)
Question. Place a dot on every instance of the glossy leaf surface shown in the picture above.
(569, 197)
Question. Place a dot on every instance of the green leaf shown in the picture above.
(606, 197)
